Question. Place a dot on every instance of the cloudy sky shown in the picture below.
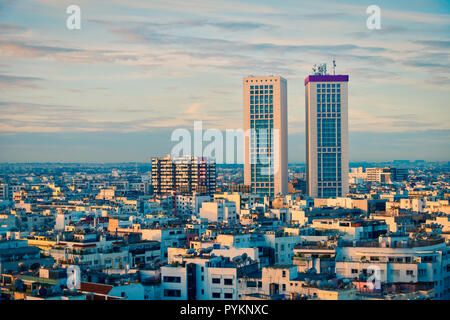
(136, 70)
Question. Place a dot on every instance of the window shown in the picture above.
(216, 295)
(409, 272)
(215, 280)
(228, 282)
(172, 293)
(354, 271)
(172, 279)
(228, 296)
(284, 273)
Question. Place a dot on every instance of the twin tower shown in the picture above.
(326, 129)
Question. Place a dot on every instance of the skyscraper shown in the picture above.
(326, 135)
(265, 142)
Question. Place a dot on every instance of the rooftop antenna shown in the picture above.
(334, 67)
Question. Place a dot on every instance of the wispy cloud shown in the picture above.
(151, 66)
(14, 82)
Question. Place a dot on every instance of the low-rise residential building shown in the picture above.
(220, 211)
(397, 259)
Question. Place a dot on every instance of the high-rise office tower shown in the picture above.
(185, 175)
(326, 134)
(265, 129)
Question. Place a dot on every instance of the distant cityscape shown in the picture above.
(192, 151)
(186, 228)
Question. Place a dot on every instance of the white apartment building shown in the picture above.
(168, 237)
(220, 211)
(106, 194)
(399, 260)
(64, 218)
(357, 175)
(188, 205)
(285, 281)
(86, 249)
(199, 278)
(416, 205)
(339, 202)
(281, 214)
(444, 221)
(380, 175)
(4, 191)
(396, 223)
(358, 230)
(281, 244)
(242, 201)
(441, 206)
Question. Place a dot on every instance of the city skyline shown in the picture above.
(114, 90)
(217, 158)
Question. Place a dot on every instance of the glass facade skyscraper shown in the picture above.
(326, 135)
(265, 125)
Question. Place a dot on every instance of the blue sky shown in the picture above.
(137, 70)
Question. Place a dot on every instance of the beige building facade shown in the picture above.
(265, 135)
(326, 101)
